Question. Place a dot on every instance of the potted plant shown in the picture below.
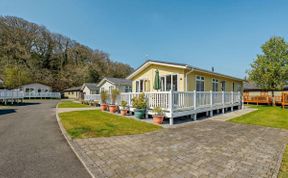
(158, 115)
(104, 96)
(140, 104)
(114, 94)
(124, 108)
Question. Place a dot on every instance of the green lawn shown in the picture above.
(94, 123)
(71, 104)
(283, 173)
(269, 116)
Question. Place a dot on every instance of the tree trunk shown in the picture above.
(273, 98)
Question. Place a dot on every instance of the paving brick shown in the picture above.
(204, 149)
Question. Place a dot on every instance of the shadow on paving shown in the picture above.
(24, 104)
(7, 111)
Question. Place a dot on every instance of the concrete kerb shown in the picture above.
(69, 140)
(279, 162)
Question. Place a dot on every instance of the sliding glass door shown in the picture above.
(169, 82)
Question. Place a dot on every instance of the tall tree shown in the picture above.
(51, 58)
(15, 76)
(270, 69)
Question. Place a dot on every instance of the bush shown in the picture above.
(123, 104)
(139, 102)
(104, 96)
(158, 111)
(114, 94)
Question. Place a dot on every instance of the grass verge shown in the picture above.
(71, 104)
(94, 123)
(267, 116)
(283, 172)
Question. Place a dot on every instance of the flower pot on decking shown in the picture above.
(103, 107)
(139, 113)
(112, 108)
(158, 119)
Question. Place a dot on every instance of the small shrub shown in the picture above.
(123, 104)
(139, 102)
(114, 94)
(158, 111)
(104, 96)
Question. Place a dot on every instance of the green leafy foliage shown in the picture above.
(50, 58)
(114, 93)
(123, 104)
(15, 76)
(158, 111)
(104, 95)
(139, 102)
(270, 69)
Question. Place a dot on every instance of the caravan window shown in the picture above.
(200, 83)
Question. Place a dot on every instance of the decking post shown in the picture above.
(129, 100)
(194, 105)
(223, 102)
(211, 103)
(171, 107)
(232, 100)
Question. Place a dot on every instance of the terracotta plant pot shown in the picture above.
(104, 107)
(124, 112)
(113, 108)
(158, 119)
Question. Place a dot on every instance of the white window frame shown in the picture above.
(143, 84)
(171, 77)
(225, 85)
(200, 79)
(215, 81)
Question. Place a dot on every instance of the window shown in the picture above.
(169, 82)
(162, 83)
(199, 83)
(223, 83)
(127, 89)
(39, 90)
(137, 86)
(72, 92)
(110, 89)
(233, 87)
(174, 82)
(140, 85)
(214, 84)
(239, 87)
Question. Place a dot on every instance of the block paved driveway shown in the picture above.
(31, 144)
(203, 149)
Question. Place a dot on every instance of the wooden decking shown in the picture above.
(178, 104)
(264, 98)
(11, 96)
(285, 100)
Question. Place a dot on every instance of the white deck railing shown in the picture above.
(42, 95)
(178, 101)
(11, 94)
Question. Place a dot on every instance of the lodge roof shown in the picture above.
(179, 65)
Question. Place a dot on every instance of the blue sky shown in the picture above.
(226, 34)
